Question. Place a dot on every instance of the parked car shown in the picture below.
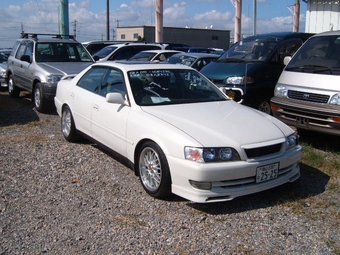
(153, 55)
(3, 76)
(124, 51)
(95, 46)
(178, 131)
(249, 70)
(196, 60)
(3, 57)
(307, 94)
(38, 61)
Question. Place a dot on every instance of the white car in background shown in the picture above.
(178, 131)
(153, 55)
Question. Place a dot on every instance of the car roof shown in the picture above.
(281, 35)
(131, 66)
(328, 33)
(160, 51)
(197, 54)
(133, 44)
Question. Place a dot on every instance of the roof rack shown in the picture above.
(35, 36)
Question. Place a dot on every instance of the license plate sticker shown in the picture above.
(267, 172)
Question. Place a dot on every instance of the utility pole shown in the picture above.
(113, 34)
(117, 21)
(159, 22)
(64, 18)
(238, 14)
(74, 28)
(296, 16)
(107, 19)
(254, 16)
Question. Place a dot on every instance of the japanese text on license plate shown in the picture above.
(267, 172)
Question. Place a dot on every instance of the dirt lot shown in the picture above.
(63, 198)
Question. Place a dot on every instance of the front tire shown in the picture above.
(154, 170)
(13, 90)
(68, 127)
(264, 106)
(41, 104)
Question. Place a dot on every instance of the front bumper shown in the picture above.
(232, 179)
(322, 118)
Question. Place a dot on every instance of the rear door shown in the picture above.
(20, 67)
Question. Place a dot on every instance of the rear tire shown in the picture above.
(13, 90)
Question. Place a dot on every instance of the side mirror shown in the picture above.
(96, 58)
(286, 60)
(115, 98)
(26, 58)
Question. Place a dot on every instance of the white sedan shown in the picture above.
(178, 131)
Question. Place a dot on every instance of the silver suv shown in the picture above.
(37, 64)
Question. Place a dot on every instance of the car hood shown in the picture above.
(64, 68)
(225, 123)
(217, 70)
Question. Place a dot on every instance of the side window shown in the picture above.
(122, 53)
(288, 48)
(29, 50)
(21, 51)
(15, 46)
(113, 82)
(91, 81)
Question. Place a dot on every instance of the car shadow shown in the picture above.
(18, 110)
(319, 140)
(311, 183)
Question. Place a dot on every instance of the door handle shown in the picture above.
(95, 107)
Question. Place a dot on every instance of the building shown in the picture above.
(194, 37)
(322, 15)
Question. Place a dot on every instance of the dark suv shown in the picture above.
(37, 64)
(249, 70)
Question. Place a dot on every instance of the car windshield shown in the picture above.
(61, 52)
(172, 86)
(105, 51)
(252, 48)
(320, 55)
(181, 59)
(143, 56)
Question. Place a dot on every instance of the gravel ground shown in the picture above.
(65, 198)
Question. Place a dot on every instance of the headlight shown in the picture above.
(239, 80)
(292, 141)
(3, 74)
(220, 154)
(280, 91)
(54, 78)
(335, 99)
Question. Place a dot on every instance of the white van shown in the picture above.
(307, 94)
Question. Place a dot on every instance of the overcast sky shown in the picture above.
(42, 16)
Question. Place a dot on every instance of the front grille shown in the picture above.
(309, 97)
(263, 151)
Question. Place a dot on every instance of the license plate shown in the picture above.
(302, 122)
(267, 172)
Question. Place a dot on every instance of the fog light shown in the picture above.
(201, 185)
(231, 94)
